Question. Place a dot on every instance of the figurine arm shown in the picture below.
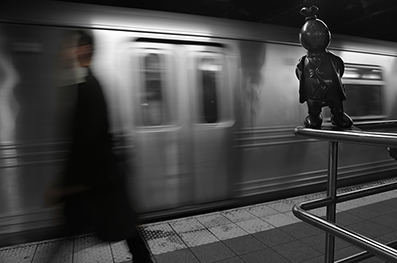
(299, 69)
(338, 64)
(300, 76)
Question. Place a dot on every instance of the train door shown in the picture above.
(211, 121)
(181, 124)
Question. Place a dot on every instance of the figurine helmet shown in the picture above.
(314, 35)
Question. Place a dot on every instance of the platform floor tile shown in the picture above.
(266, 255)
(274, 237)
(364, 212)
(318, 242)
(347, 251)
(389, 237)
(90, 250)
(231, 260)
(262, 210)
(386, 220)
(212, 252)
(289, 251)
(213, 220)
(280, 220)
(390, 202)
(179, 256)
(383, 207)
(20, 254)
(370, 229)
(319, 259)
(228, 231)
(244, 244)
(254, 225)
(344, 219)
(300, 230)
(238, 215)
(155, 231)
(198, 238)
(120, 252)
(165, 244)
(186, 225)
(58, 251)
(283, 207)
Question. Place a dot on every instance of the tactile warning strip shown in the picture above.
(166, 244)
(88, 249)
(156, 231)
(213, 220)
(198, 237)
(22, 254)
(262, 210)
(57, 251)
(228, 231)
(186, 225)
(120, 252)
(238, 215)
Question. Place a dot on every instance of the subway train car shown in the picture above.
(205, 109)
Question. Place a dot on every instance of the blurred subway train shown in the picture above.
(204, 108)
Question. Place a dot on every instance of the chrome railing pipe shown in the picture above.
(334, 136)
(349, 136)
(331, 194)
(359, 240)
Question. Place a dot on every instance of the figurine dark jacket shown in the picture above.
(105, 205)
(338, 66)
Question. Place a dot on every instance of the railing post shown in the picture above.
(334, 136)
(331, 193)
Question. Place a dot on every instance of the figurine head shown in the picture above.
(314, 35)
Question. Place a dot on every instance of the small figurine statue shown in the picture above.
(319, 73)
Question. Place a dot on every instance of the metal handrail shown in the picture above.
(349, 136)
(349, 236)
(335, 135)
(359, 240)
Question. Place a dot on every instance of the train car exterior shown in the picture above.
(207, 108)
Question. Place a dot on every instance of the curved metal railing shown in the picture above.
(357, 136)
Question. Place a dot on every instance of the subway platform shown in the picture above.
(266, 232)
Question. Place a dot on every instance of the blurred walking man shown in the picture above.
(93, 185)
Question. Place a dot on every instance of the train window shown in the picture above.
(153, 108)
(363, 86)
(362, 73)
(363, 101)
(209, 69)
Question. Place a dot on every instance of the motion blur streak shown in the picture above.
(203, 109)
(9, 192)
(8, 104)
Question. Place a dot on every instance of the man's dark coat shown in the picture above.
(105, 205)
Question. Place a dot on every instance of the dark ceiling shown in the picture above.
(365, 18)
